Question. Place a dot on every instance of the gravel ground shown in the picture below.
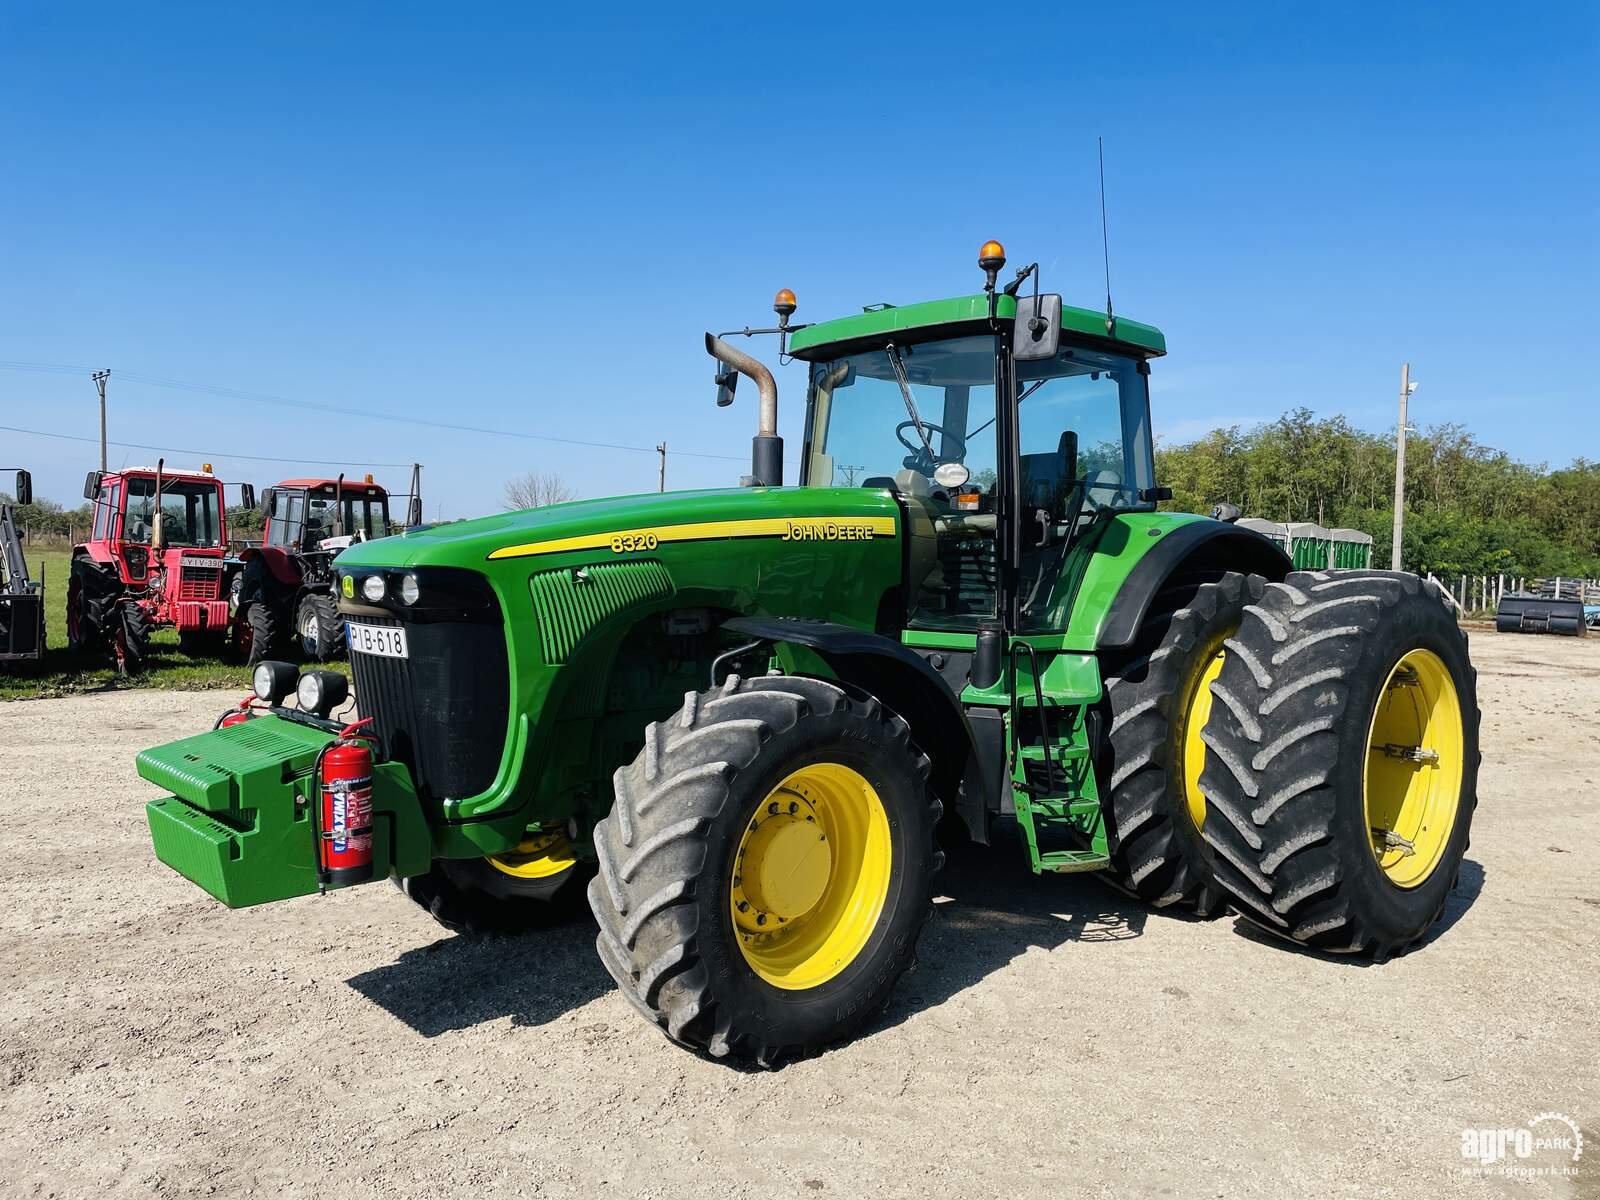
(1056, 1039)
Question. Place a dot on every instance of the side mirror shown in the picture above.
(247, 495)
(91, 485)
(24, 491)
(414, 511)
(1226, 513)
(266, 501)
(1036, 335)
(727, 379)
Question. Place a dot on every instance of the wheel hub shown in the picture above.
(1412, 788)
(810, 876)
(786, 861)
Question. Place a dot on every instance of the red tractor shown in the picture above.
(285, 590)
(153, 559)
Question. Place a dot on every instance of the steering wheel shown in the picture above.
(920, 457)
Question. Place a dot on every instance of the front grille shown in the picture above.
(442, 711)
(199, 583)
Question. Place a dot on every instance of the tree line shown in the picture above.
(1470, 509)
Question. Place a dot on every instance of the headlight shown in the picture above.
(273, 681)
(409, 591)
(372, 588)
(320, 692)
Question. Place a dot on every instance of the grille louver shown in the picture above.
(567, 609)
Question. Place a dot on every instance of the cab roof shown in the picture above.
(359, 486)
(817, 342)
(167, 473)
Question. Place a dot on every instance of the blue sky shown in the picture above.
(491, 216)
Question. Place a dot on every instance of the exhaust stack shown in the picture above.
(766, 448)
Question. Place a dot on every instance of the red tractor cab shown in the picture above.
(284, 594)
(154, 559)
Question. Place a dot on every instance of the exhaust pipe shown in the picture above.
(766, 448)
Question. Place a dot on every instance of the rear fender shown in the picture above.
(1198, 547)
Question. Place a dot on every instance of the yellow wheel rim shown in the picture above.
(1415, 753)
(537, 856)
(811, 876)
(1194, 710)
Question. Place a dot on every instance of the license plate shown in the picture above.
(383, 640)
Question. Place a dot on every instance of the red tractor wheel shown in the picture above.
(130, 637)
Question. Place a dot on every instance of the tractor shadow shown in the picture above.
(458, 982)
(990, 910)
(1469, 886)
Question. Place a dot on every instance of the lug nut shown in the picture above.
(761, 918)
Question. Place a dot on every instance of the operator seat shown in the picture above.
(1048, 486)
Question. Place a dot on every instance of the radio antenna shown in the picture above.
(1105, 237)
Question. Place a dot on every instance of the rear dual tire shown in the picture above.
(1157, 701)
(1342, 761)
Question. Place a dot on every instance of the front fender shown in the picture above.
(905, 683)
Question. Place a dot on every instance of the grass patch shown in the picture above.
(63, 672)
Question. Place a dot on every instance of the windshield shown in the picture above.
(189, 512)
(362, 517)
(890, 417)
(302, 520)
(908, 418)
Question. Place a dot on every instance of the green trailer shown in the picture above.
(746, 722)
(1312, 547)
(1352, 549)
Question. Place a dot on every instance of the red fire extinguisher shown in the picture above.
(344, 834)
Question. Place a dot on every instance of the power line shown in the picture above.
(364, 414)
(203, 454)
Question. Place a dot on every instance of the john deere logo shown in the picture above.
(347, 586)
(827, 531)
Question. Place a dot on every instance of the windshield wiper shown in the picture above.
(905, 394)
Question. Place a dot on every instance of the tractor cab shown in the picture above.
(155, 557)
(283, 598)
(1003, 463)
(150, 518)
(308, 516)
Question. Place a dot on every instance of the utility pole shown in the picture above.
(662, 450)
(100, 378)
(1406, 388)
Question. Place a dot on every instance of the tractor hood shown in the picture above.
(646, 522)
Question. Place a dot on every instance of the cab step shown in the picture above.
(1064, 862)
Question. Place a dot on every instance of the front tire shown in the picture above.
(533, 887)
(727, 915)
(320, 631)
(1342, 764)
(256, 636)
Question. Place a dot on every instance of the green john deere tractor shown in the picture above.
(748, 718)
